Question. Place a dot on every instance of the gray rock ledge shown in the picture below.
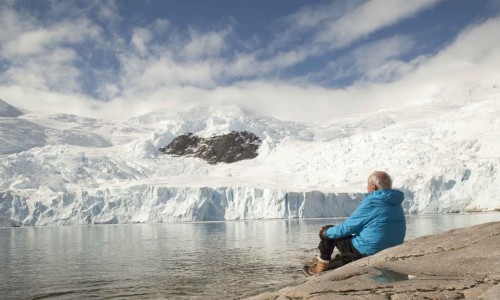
(462, 263)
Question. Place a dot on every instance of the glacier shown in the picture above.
(159, 204)
(443, 153)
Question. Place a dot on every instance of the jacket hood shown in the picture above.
(390, 196)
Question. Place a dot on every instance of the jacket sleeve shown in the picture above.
(359, 218)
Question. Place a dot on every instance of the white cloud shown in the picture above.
(160, 25)
(322, 29)
(475, 46)
(199, 59)
(41, 40)
(103, 11)
(165, 71)
(42, 56)
(51, 102)
(470, 60)
(141, 38)
(307, 20)
(378, 61)
(249, 64)
(203, 45)
(54, 70)
(192, 60)
(242, 65)
(39, 56)
(44, 72)
(341, 23)
(367, 18)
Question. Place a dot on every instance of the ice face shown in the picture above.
(158, 204)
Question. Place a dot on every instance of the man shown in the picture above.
(376, 224)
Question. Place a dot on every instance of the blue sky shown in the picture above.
(297, 60)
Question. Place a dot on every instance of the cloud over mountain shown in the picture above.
(314, 62)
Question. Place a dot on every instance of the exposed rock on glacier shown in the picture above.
(228, 148)
(153, 204)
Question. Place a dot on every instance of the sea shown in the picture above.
(206, 260)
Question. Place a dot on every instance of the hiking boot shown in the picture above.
(320, 266)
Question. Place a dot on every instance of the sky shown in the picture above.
(297, 60)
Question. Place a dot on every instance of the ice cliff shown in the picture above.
(153, 204)
(64, 169)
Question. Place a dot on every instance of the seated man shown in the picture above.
(376, 224)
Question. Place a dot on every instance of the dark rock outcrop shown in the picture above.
(228, 148)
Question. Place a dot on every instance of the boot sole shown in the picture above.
(305, 269)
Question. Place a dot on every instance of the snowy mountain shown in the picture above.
(443, 152)
(7, 110)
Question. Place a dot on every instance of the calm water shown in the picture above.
(223, 260)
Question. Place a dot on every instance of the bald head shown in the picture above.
(379, 180)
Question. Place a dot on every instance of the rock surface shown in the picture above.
(458, 264)
(228, 148)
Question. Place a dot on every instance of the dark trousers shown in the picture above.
(344, 245)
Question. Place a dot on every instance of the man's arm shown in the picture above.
(359, 218)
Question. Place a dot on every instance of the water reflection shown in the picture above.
(386, 275)
(219, 260)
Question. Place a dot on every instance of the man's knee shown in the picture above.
(322, 232)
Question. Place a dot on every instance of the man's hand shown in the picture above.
(322, 231)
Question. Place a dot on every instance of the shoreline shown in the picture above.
(461, 263)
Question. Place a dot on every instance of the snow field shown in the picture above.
(63, 169)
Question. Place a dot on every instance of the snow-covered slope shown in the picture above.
(63, 169)
(7, 110)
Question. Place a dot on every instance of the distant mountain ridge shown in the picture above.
(7, 110)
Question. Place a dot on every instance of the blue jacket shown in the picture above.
(376, 224)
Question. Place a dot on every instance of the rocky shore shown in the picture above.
(462, 263)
